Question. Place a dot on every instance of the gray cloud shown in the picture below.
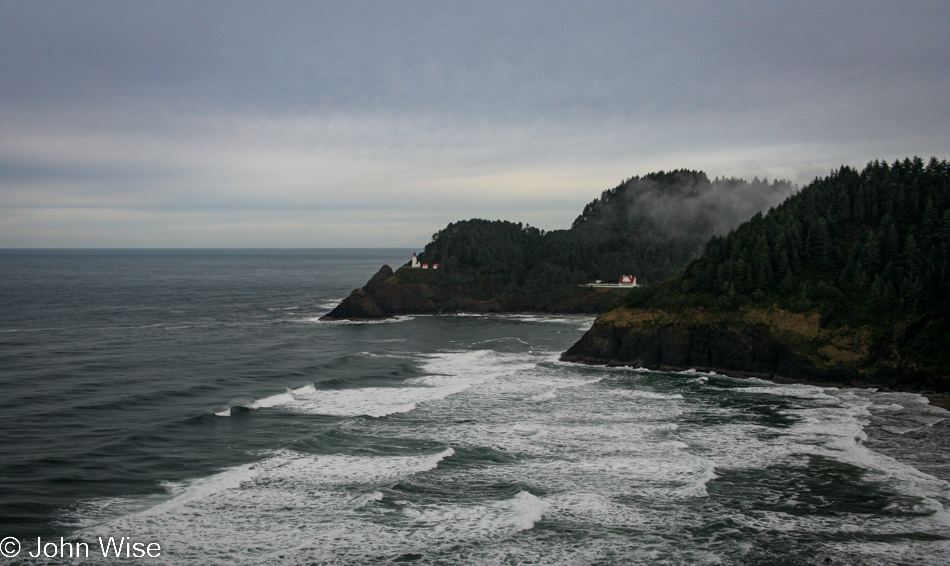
(199, 115)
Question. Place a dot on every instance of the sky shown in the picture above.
(374, 124)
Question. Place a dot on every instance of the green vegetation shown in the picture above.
(648, 226)
(865, 255)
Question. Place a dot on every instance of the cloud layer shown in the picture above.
(182, 124)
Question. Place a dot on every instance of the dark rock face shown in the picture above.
(381, 297)
(390, 293)
(384, 297)
(748, 351)
(396, 299)
(384, 273)
(751, 352)
(359, 304)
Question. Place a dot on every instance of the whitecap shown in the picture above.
(285, 398)
(389, 320)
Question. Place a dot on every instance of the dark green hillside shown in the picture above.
(851, 273)
(879, 238)
(646, 226)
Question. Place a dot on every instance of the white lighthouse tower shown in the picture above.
(415, 260)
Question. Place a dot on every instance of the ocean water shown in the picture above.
(193, 400)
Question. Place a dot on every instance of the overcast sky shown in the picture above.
(363, 124)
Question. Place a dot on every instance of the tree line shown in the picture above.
(879, 237)
(648, 226)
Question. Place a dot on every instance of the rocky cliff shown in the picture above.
(419, 291)
(767, 343)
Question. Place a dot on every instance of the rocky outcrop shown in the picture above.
(381, 297)
(359, 304)
(739, 346)
(750, 351)
(385, 295)
(421, 291)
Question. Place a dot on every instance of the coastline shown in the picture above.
(406, 291)
(767, 344)
(937, 399)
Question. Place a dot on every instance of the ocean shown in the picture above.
(192, 399)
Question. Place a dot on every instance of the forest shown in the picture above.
(649, 226)
(867, 248)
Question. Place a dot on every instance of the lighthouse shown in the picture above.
(415, 260)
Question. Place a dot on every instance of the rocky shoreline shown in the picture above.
(416, 291)
(768, 344)
(736, 349)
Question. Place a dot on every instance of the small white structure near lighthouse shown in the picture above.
(628, 281)
(625, 281)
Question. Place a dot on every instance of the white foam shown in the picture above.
(285, 398)
(451, 373)
(917, 552)
(523, 511)
(506, 517)
(389, 320)
(205, 488)
(541, 397)
(803, 391)
(569, 383)
(246, 506)
(369, 401)
(692, 371)
(307, 389)
(644, 394)
(503, 339)
(375, 355)
(887, 407)
(551, 318)
(552, 388)
(830, 423)
(223, 412)
(615, 454)
(527, 429)
(476, 366)
(331, 304)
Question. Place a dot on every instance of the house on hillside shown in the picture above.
(628, 281)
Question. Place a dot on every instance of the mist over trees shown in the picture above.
(652, 226)
(881, 235)
(868, 247)
(649, 226)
